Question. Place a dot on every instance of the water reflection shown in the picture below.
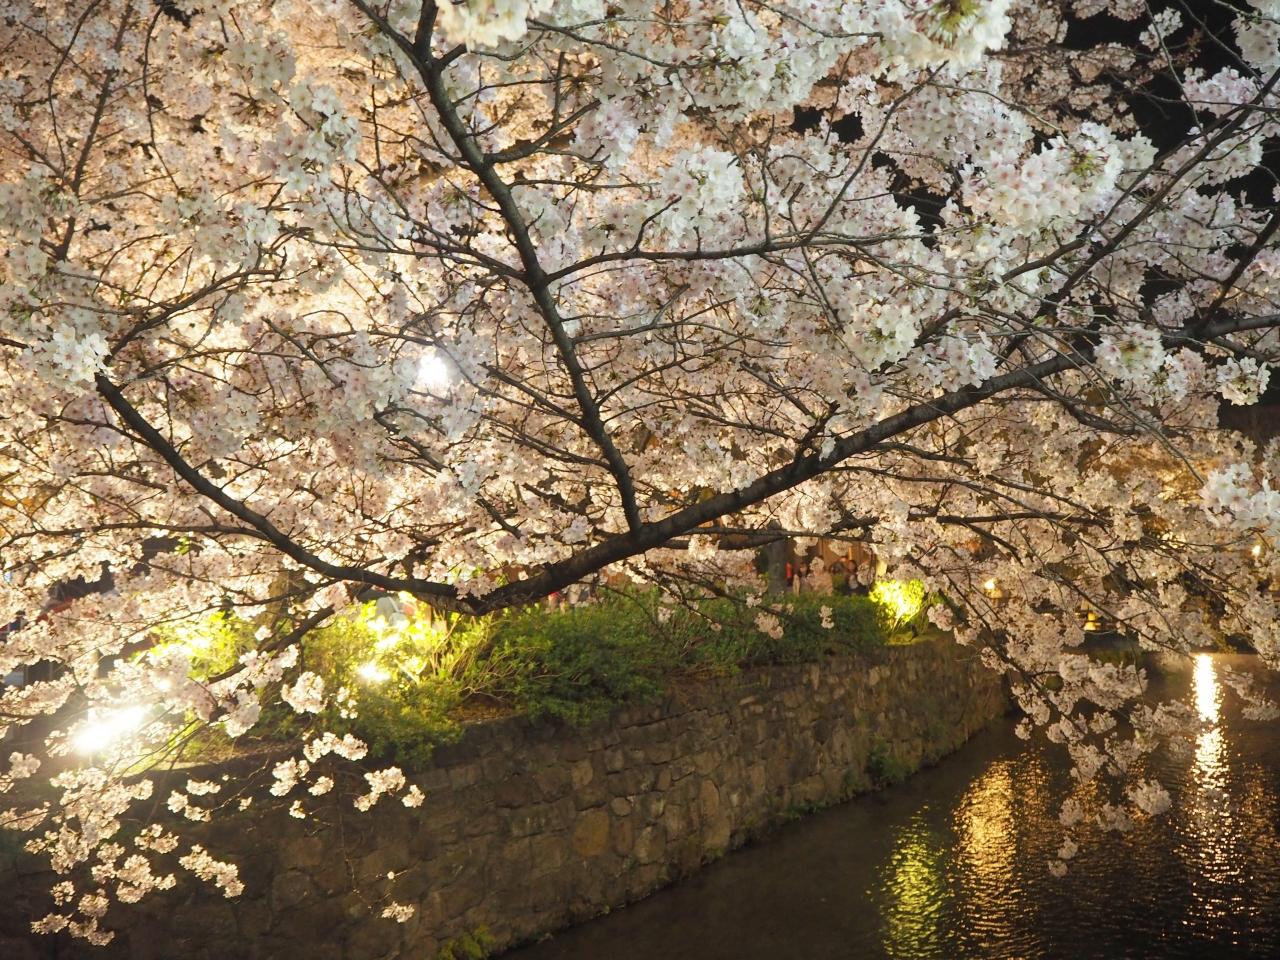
(953, 864)
(917, 895)
(1207, 821)
(1204, 681)
(986, 858)
(1219, 835)
(1209, 773)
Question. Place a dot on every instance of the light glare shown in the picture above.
(372, 673)
(105, 728)
(1204, 682)
(434, 374)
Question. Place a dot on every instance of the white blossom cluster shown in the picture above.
(302, 300)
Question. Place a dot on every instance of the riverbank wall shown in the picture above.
(528, 827)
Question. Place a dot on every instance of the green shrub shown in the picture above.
(883, 767)
(856, 625)
(410, 681)
(903, 605)
(575, 664)
(578, 664)
(473, 945)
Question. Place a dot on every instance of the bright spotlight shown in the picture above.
(434, 372)
(372, 673)
(105, 728)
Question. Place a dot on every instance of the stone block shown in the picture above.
(581, 774)
(302, 852)
(708, 799)
(590, 836)
(623, 837)
(24, 949)
(614, 760)
(376, 940)
(291, 888)
(650, 845)
(716, 833)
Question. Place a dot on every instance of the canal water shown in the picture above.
(953, 864)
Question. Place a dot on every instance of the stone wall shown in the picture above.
(529, 827)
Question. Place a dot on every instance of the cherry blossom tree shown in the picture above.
(475, 301)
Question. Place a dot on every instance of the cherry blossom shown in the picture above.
(464, 305)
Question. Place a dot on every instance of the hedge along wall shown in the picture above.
(528, 827)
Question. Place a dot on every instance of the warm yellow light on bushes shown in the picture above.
(902, 600)
(388, 638)
(371, 672)
(196, 636)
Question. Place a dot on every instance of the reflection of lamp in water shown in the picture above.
(984, 824)
(917, 891)
(1205, 685)
(1210, 765)
(989, 854)
(1210, 822)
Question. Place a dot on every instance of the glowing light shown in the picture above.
(105, 728)
(371, 672)
(195, 637)
(1211, 822)
(388, 640)
(902, 600)
(1256, 550)
(1204, 683)
(989, 586)
(434, 372)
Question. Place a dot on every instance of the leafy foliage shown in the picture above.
(884, 767)
(904, 604)
(416, 680)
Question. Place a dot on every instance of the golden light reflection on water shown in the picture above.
(1209, 826)
(937, 884)
(1204, 682)
(980, 881)
(916, 892)
(985, 828)
(1210, 769)
(1209, 772)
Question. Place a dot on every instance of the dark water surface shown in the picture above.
(953, 864)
